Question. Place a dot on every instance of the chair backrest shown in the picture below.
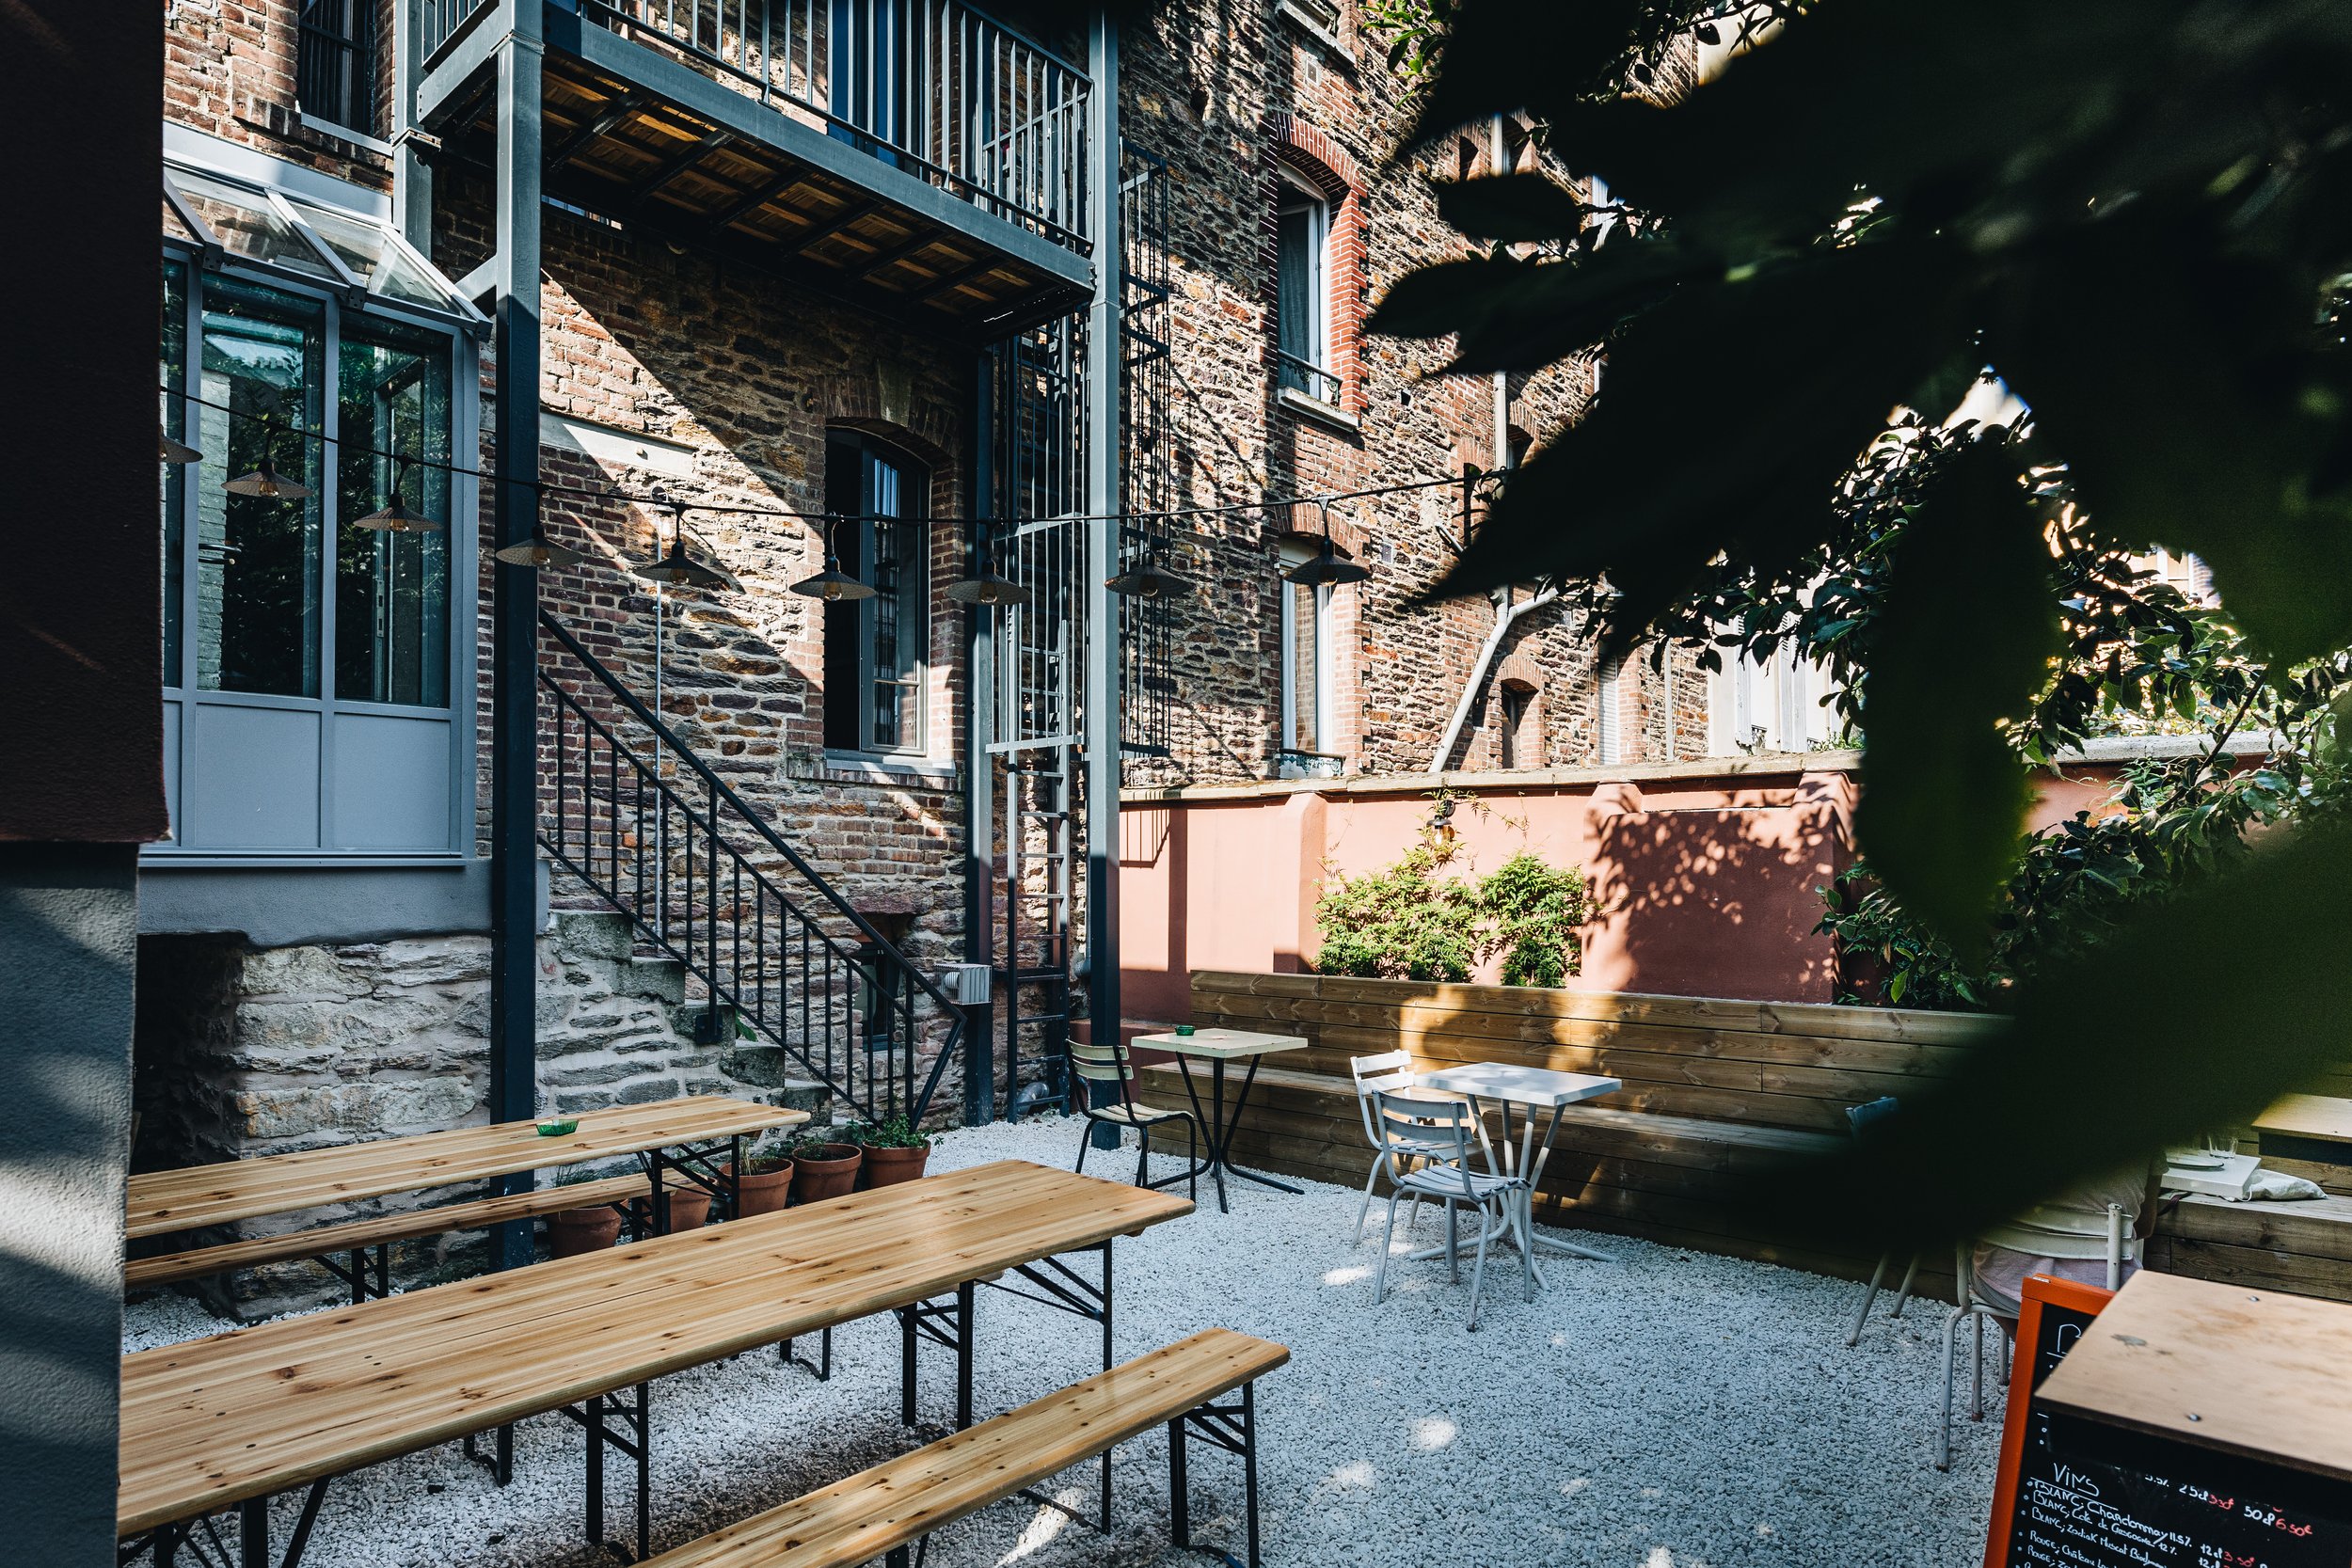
(2072, 1233)
(1105, 1063)
(1407, 1126)
(1385, 1073)
(1868, 1119)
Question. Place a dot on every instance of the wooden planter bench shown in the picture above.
(1715, 1090)
(356, 1240)
(883, 1511)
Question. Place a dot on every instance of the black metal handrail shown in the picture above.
(810, 974)
(1305, 375)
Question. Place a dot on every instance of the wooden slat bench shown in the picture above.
(324, 1242)
(1715, 1090)
(2304, 1246)
(883, 1511)
(2309, 1135)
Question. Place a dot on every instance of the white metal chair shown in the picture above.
(1110, 1064)
(1389, 1073)
(1868, 1120)
(1406, 1125)
(2043, 1232)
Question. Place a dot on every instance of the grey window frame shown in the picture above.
(915, 477)
(203, 256)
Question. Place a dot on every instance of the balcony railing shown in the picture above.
(930, 86)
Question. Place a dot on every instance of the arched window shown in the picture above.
(878, 649)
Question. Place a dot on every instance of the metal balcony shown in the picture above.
(915, 153)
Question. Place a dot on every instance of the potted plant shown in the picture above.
(895, 1151)
(821, 1168)
(766, 1183)
(689, 1205)
(573, 1231)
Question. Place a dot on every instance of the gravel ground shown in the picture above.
(1664, 1410)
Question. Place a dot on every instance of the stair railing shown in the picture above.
(705, 879)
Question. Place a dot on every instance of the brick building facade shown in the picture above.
(692, 375)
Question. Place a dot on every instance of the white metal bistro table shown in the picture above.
(1531, 1088)
(1218, 1047)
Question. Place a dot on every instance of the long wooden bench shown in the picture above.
(323, 1244)
(2303, 1247)
(1715, 1090)
(883, 1512)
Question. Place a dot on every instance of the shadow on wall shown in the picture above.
(1717, 901)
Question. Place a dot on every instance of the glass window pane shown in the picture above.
(392, 590)
(1294, 309)
(1306, 664)
(257, 558)
(368, 251)
(896, 621)
(246, 225)
(171, 371)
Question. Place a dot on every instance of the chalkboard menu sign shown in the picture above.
(2073, 1492)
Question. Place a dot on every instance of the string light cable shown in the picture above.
(818, 522)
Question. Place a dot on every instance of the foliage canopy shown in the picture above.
(2139, 217)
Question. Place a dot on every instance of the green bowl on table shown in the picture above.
(555, 1127)
(1184, 1030)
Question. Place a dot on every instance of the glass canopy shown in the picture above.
(305, 240)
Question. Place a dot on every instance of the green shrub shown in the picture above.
(1416, 920)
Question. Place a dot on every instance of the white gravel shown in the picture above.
(1667, 1409)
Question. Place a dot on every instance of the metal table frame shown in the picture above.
(1215, 1121)
(1528, 1157)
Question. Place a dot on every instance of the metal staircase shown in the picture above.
(645, 824)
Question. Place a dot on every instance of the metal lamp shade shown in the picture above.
(988, 587)
(393, 516)
(539, 550)
(681, 570)
(833, 584)
(1150, 581)
(268, 483)
(1324, 569)
(179, 452)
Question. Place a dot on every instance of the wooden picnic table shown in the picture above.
(164, 1201)
(239, 1417)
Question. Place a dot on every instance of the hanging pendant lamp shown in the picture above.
(1326, 568)
(676, 568)
(833, 584)
(538, 551)
(265, 481)
(179, 452)
(1146, 580)
(393, 516)
(986, 586)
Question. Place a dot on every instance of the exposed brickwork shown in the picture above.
(228, 71)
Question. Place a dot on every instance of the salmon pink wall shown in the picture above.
(1706, 876)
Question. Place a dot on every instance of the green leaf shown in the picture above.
(1970, 629)
(1511, 207)
(2153, 1037)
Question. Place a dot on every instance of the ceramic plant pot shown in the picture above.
(689, 1207)
(829, 1173)
(887, 1167)
(578, 1231)
(764, 1192)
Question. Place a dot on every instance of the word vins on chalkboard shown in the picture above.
(2079, 1513)
(2074, 1494)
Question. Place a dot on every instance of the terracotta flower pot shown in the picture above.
(689, 1207)
(764, 1192)
(887, 1167)
(829, 1174)
(577, 1230)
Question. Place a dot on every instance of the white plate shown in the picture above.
(2192, 1158)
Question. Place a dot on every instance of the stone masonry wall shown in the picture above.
(1235, 94)
(253, 1053)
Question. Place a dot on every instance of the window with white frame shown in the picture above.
(1775, 704)
(1302, 307)
(1609, 729)
(1306, 660)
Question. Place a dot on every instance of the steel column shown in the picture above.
(979, 806)
(515, 628)
(1103, 728)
